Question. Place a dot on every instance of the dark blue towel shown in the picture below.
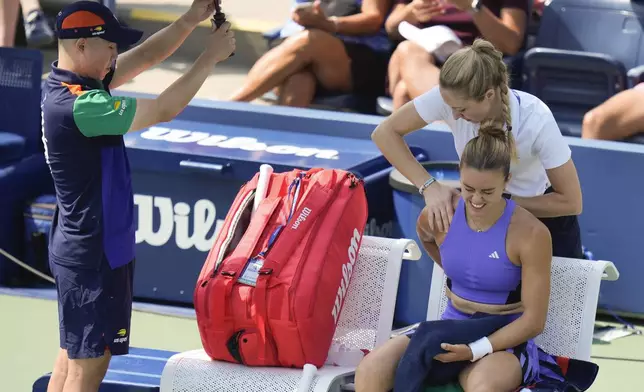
(418, 369)
(418, 364)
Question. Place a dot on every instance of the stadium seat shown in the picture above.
(20, 90)
(576, 65)
(23, 171)
(514, 63)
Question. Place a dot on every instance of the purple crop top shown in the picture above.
(476, 264)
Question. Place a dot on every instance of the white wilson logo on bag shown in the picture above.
(301, 218)
(347, 271)
(175, 219)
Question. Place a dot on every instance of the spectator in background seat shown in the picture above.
(620, 117)
(37, 30)
(413, 71)
(343, 48)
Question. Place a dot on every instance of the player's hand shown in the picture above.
(221, 42)
(200, 10)
(454, 353)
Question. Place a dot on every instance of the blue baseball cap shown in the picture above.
(87, 19)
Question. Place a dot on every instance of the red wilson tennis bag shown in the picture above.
(272, 287)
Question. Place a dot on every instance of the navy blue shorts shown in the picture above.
(94, 309)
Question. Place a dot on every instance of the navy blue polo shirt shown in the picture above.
(83, 128)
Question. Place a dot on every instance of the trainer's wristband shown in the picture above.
(480, 348)
(427, 183)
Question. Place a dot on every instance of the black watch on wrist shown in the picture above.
(476, 6)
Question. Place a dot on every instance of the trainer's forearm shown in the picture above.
(176, 97)
(166, 41)
(550, 205)
(397, 152)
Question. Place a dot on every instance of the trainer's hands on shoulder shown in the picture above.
(221, 43)
(199, 11)
(440, 201)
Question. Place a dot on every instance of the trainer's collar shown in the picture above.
(63, 75)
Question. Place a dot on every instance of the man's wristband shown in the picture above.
(480, 348)
(427, 183)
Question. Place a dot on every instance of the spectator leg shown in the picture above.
(621, 116)
(319, 50)
(298, 90)
(418, 69)
(8, 21)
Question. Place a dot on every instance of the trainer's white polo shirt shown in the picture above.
(540, 144)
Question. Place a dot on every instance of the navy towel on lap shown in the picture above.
(418, 364)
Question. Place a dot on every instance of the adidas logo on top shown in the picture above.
(494, 255)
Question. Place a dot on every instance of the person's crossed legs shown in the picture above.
(295, 66)
(412, 72)
(95, 306)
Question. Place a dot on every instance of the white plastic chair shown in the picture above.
(365, 322)
(574, 292)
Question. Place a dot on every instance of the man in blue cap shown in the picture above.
(92, 238)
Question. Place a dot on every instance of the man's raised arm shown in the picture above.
(160, 45)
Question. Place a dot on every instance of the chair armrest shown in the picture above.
(412, 251)
(636, 75)
(611, 273)
(385, 106)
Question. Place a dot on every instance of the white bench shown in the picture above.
(365, 322)
(574, 292)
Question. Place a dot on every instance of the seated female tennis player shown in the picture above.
(496, 256)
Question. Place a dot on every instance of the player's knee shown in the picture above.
(377, 370)
(365, 372)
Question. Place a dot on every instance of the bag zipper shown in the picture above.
(297, 183)
(231, 230)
